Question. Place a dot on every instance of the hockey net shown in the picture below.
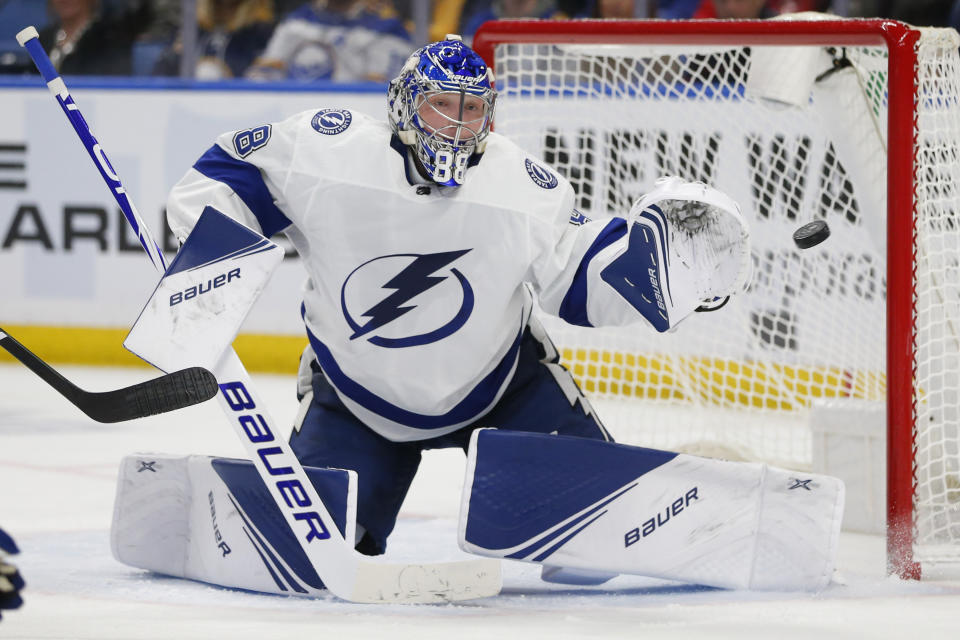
(798, 120)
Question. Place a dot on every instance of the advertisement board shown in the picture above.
(67, 257)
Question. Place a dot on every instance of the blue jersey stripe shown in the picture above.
(475, 402)
(246, 181)
(573, 309)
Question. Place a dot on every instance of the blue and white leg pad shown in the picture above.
(605, 507)
(212, 520)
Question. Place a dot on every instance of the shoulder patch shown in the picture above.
(330, 122)
(541, 177)
(249, 140)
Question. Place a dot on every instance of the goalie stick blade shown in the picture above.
(170, 392)
(167, 393)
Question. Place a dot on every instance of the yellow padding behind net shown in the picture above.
(73, 345)
(716, 381)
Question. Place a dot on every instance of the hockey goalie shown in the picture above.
(427, 238)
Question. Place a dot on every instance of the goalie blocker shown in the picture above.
(604, 507)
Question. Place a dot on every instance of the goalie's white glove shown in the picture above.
(692, 246)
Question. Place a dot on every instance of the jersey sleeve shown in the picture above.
(242, 176)
(591, 274)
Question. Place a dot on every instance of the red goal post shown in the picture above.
(580, 94)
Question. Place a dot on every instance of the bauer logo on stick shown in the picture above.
(811, 234)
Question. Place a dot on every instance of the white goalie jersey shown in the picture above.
(417, 294)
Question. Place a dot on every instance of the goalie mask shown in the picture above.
(441, 105)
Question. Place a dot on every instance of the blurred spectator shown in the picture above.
(734, 9)
(663, 9)
(14, 16)
(283, 8)
(676, 9)
(476, 13)
(796, 6)
(231, 34)
(164, 21)
(340, 40)
(750, 9)
(445, 17)
(921, 13)
(615, 9)
(84, 40)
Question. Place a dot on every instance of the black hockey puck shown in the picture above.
(811, 234)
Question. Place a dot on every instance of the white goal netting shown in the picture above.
(794, 133)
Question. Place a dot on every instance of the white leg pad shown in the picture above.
(179, 516)
(151, 514)
(798, 530)
(604, 507)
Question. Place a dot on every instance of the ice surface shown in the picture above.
(57, 477)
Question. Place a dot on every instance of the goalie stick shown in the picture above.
(344, 571)
(167, 393)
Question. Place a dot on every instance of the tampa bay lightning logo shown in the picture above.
(330, 122)
(539, 175)
(409, 275)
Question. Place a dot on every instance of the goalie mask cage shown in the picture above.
(855, 122)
